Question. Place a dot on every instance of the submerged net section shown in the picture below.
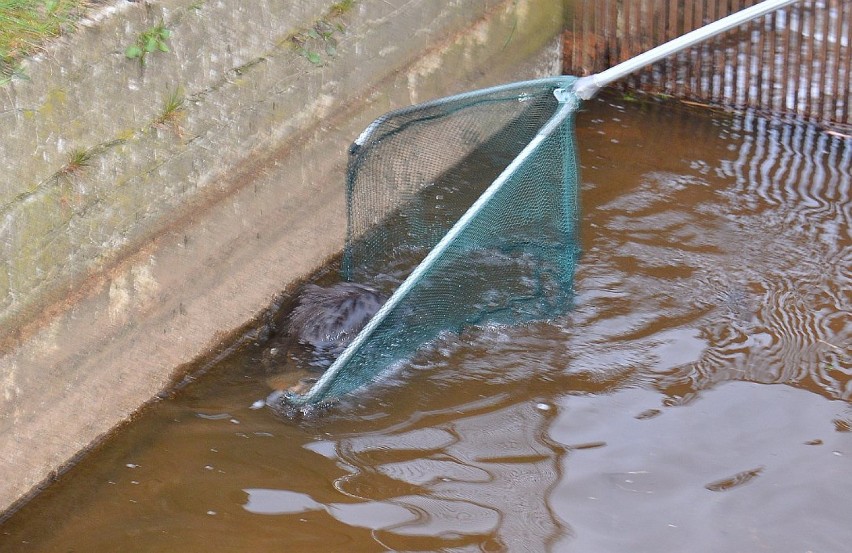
(466, 209)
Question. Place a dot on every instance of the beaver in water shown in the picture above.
(324, 321)
(328, 319)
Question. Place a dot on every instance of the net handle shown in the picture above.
(587, 87)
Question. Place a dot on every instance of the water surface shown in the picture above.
(697, 398)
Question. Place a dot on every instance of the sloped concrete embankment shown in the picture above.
(148, 211)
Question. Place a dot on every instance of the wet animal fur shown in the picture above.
(329, 318)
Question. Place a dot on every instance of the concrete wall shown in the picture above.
(179, 228)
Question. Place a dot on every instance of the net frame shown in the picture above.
(568, 104)
(568, 91)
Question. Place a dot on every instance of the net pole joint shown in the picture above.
(567, 96)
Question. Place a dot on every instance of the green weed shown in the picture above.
(320, 40)
(149, 41)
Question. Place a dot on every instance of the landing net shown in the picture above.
(479, 193)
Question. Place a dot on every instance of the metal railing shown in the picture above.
(796, 60)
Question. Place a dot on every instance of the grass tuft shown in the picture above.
(78, 160)
(25, 25)
(173, 111)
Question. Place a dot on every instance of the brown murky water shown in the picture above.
(698, 398)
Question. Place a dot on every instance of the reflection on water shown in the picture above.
(470, 480)
(731, 472)
(697, 398)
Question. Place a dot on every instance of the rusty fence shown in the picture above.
(796, 60)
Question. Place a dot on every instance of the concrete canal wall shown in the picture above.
(151, 208)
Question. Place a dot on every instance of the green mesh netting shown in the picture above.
(477, 192)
